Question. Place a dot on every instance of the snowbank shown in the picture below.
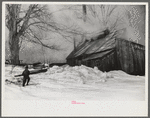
(78, 74)
(75, 83)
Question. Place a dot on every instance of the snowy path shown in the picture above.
(66, 85)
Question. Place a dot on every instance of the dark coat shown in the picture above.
(26, 74)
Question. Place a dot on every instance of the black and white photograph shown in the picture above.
(74, 52)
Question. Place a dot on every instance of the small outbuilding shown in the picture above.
(110, 53)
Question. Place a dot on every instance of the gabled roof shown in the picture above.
(98, 55)
(101, 44)
(93, 46)
(71, 55)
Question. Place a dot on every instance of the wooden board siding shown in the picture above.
(124, 55)
(131, 57)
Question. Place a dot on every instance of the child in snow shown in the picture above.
(26, 77)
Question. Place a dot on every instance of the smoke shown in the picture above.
(72, 16)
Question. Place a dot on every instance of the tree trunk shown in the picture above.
(14, 35)
(14, 49)
(84, 12)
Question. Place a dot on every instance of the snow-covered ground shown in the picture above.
(75, 83)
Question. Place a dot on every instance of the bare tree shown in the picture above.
(26, 24)
(19, 24)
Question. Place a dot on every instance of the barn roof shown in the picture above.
(96, 48)
(98, 55)
(93, 46)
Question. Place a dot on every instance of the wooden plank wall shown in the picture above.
(127, 56)
(131, 57)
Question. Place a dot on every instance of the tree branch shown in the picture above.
(40, 42)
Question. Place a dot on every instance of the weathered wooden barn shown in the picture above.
(109, 53)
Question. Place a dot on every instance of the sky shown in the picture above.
(73, 17)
